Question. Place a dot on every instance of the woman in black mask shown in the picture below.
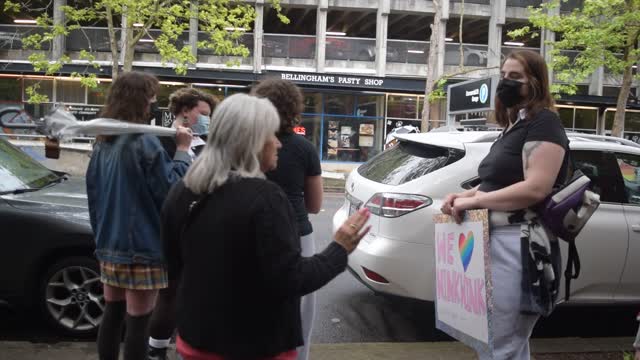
(520, 171)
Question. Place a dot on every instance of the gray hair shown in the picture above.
(239, 129)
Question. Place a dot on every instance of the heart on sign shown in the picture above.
(465, 245)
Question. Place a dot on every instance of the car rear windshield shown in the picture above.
(408, 161)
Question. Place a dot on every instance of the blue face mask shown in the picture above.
(201, 127)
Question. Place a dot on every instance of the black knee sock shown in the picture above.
(163, 320)
(110, 331)
(135, 339)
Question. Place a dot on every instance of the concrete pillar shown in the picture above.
(497, 20)
(597, 82)
(258, 35)
(547, 36)
(382, 23)
(321, 34)
(58, 46)
(193, 29)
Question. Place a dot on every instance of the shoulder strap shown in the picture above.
(572, 271)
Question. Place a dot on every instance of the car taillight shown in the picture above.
(394, 204)
(372, 275)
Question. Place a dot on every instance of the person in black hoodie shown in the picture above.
(235, 247)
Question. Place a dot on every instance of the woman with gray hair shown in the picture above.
(234, 243)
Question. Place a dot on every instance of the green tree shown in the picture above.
(605, 32)
(224, 22)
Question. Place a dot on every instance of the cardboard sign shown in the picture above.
(463, 278)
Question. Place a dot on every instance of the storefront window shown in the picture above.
(98, 95)
(370, 105)
(10, 89)
(632, 121)
(164, 92)
(566, 116)
(218, 92)
(312, 103)
(608, 120)
(351, 139)
(237, 90)
(339, 104)
(70, 92)
(402, 106)
(586, 119)
(311, 126)
(45, 87)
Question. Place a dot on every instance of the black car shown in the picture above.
(47, 260)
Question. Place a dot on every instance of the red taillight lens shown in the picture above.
(394, 204)
(374, 276)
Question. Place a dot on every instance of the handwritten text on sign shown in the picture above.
(460, 278)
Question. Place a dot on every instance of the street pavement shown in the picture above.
(543, 349)
(353, 323)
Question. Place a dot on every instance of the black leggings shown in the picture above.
(163, 319)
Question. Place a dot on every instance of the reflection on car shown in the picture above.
(47, 262)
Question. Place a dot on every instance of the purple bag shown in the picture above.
(565, 212)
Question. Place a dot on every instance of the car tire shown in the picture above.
(71, 297)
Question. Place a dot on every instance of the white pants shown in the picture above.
(307, 303)
(510, 328)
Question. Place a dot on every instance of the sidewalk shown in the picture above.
(543, 349)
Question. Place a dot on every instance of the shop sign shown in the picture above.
(84, 112)
(334, 80)
(471, 96)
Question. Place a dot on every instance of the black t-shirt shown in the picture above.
(503, 165)
(297, 159)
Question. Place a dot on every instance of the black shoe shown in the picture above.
(157, 353)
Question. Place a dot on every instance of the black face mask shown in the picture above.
(508, 92)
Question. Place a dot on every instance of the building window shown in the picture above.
(586, 120)
(310, 127)
(164, 92)
(402, 106)
(566, 116)
(339, 104)
(70, 92)
(312, 103)
(11, 89)
(370, 105)
(352, 139)
(98, 95)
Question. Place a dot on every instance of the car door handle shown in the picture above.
(635, 228)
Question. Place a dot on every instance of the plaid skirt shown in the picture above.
(134, 276)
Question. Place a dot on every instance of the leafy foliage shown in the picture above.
(592, 36)
(223, 21)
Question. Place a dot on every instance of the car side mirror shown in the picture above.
(51, 148)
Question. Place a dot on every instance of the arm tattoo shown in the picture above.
(527, 150)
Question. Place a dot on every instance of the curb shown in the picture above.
(16, 350)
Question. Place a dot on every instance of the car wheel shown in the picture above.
(71, 296)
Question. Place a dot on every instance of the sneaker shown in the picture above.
(157, 353)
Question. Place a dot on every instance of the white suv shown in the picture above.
(405, 185)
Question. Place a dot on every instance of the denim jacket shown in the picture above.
(127, 181)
